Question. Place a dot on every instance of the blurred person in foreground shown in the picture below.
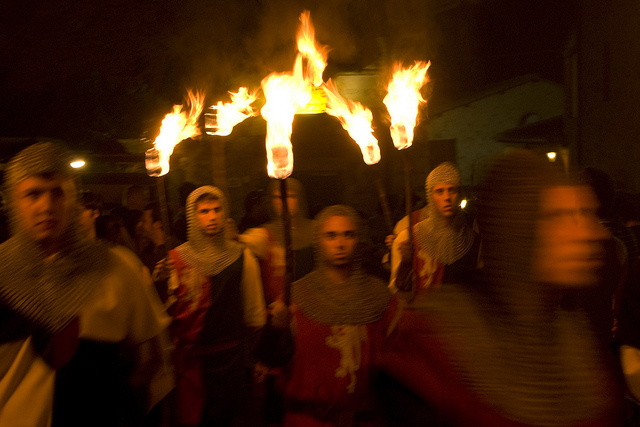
(339, 317)
(445, 247)
(503, 352)
(70, 307)
(217, 315)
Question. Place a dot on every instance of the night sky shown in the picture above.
(89, 72)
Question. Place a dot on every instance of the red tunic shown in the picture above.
(329, 378)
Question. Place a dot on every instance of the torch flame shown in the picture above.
(402, 101)
(177, 126)
(356, 120)
(284, 94)
(231, 113)
(314, 53)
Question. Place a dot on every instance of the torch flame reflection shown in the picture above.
(402, 101)
(177, 126)
(284, 94)
(314, 53)
(356, 120)
(229, 114)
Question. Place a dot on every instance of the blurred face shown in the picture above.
(338, 240)
(292, 202)
(210, 216)
(145, 225)
(87, 219)
(45, 208)
(569, 237)
(446, 198)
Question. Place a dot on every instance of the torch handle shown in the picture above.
(164, 212)
(286, 225)
(385, 206)
(408, 194)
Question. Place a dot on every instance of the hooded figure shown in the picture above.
(267, 242)
(503, 352)
(445, 247)
(67, 303)
(219, 306)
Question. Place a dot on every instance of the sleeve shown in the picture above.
(122, 308)
(396, 257)
(255, 312)
(257, 240)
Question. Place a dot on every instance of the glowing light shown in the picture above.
(225, 116)
(403, 100)
(463, 203)
(356, 120)
(285, 93)
(176, 127)
(551, 155)
(76, 164)
(314, 53)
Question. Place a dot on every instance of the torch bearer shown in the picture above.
(176, 126)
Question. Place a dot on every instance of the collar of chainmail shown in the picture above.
(445, 242)
(50, 291)
(543, 369)
(508, 338)
(47, 290)
(360, 300)
(208, 256)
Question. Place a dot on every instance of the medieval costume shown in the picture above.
(336, 330)
(444, 251)
(219, 303)
(267, 242)
(503, 351)
(67, 317)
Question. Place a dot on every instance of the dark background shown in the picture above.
(93, 72)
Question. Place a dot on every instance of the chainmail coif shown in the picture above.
(510, 342)
(207, 255)
(443, 241)
(360, 300)
(47, 290)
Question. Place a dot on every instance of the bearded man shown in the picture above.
(445, 247)
(219, 307)
(70, 307)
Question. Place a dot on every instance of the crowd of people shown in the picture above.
(525, 313)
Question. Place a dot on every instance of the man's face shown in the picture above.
(44, 207)
(210, 216)
(569, 248)
(292, 202)
(338, 240)
(446, 197)
(146, 223)
(87, 219)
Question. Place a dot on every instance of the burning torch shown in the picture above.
(356, 120)
(403, 101)
(176, 126)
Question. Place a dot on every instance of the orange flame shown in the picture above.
(402, 101)
(314, 53)
(177, 126)
(356, 120)
(284, 94)
(229, 114)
